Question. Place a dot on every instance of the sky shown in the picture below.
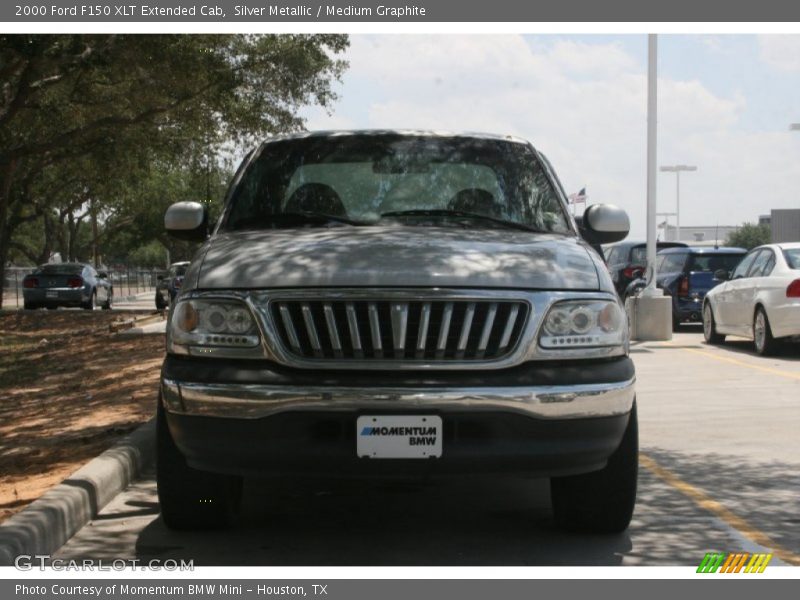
(725, 103)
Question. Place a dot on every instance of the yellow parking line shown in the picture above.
(706, 502)
(741, 363)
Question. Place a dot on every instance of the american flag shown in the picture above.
(579, 198)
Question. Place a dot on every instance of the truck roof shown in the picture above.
(398, 132)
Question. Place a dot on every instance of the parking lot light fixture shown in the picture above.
(678, 169)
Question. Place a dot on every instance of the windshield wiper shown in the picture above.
(459, 214)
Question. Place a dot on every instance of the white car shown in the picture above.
(759, 300)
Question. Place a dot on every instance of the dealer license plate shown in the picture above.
(399, 436)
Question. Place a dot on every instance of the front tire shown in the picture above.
(601, 501)
(765, 344)
(190, 499)
(710, 326)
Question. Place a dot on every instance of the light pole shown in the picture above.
(678, 169)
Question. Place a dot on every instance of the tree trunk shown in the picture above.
(5, 243)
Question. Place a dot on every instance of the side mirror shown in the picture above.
(604, 224)
(721, 275)
(187, 221)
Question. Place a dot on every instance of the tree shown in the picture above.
(749, 235)
(66, 98)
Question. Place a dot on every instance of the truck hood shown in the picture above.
(395, 255)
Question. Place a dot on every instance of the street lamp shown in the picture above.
(678, 169)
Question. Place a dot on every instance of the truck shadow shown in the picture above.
(477, 521)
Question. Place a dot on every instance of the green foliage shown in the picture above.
(749, 235)
(115, 127)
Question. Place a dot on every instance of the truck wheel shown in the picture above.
(29, 305)
(765, 344)
(710, 326)
(601, 501)
(190, 499)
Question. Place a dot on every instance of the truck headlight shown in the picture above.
(213, 322)
(583, 323)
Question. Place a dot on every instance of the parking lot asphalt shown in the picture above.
(720, 458)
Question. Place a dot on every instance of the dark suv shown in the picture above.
(687, 274)
(627, 262)
(169, 286)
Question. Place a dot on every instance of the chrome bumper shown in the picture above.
(246, 401)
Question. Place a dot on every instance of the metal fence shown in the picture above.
(127, 282)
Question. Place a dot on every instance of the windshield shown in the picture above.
(792, 257)
(714, 262)
(358, 179)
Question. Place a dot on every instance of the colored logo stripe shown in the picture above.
(734, 562)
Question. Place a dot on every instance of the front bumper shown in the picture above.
(688, 309)
(557, 420)
(252, 401)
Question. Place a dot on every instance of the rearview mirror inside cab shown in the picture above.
(604, 224)
(187, 221)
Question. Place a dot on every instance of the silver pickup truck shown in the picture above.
(397, 304)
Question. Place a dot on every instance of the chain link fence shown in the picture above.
(128, 283)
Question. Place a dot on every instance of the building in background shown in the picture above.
(707, 235)
(784, 224)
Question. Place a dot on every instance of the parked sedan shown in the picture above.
(169, 285)
(687, 275)
(760, 300)
(67, 284)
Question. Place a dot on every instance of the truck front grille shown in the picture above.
(405, 330)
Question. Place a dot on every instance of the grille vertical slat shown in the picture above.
(375, 329)
(333, 331)
(393, 330)
(444, 330)
(352, 323)
(311, 330)
(487, 330)
(288, 324)
(422, 333)
(510, 322)
(465, 330)
(399, 327)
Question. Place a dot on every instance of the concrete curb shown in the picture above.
(47, 524)
(157, 328)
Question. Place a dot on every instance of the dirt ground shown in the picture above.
(69, 389)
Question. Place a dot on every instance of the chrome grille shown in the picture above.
(399, 330)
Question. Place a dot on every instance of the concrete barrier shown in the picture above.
(47, 523)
